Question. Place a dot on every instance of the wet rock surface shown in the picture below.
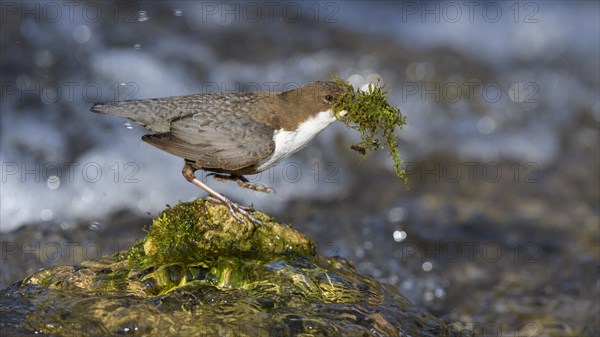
(203, 282)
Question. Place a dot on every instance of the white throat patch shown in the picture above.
(289, 142)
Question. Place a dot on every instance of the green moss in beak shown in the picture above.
(370, 113)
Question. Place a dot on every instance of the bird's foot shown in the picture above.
(242, 182)
(237, 211)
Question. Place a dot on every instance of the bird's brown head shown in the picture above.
(319, 96)
(297, 105)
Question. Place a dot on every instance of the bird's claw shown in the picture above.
(236, 210)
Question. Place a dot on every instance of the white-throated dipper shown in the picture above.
(232, 134)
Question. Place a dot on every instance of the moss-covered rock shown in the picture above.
(202, 231)
(200, 272)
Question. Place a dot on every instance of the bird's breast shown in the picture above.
(288, 142)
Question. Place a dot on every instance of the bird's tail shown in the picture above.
(145, 112)
(127, 109)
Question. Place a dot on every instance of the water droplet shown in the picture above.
(427, 266)
(46, 214)
(178, 12)
(82, 34)
(359, 252)
(396, 214)
(517, 92)
(65, 226)
(356, 80)
(399, 236)
(143, 16)
(44, 58)
(486, 125)
(128, 125)
(393, 279)
(87, 196)
(95, 226)
(53, 182)
(420, 71)
(373, 78)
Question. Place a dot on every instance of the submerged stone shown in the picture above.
(200, 272)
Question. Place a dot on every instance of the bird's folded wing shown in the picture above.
(217, 141)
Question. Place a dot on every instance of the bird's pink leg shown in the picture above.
(235, 209)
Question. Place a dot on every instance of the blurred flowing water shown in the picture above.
(500, 228)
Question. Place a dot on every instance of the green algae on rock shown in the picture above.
(369, 113)
(202, 231)
(200, 272)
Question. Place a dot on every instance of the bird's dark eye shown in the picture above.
(329, 98)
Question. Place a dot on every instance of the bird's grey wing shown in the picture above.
(156, 114)
(229, 141)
